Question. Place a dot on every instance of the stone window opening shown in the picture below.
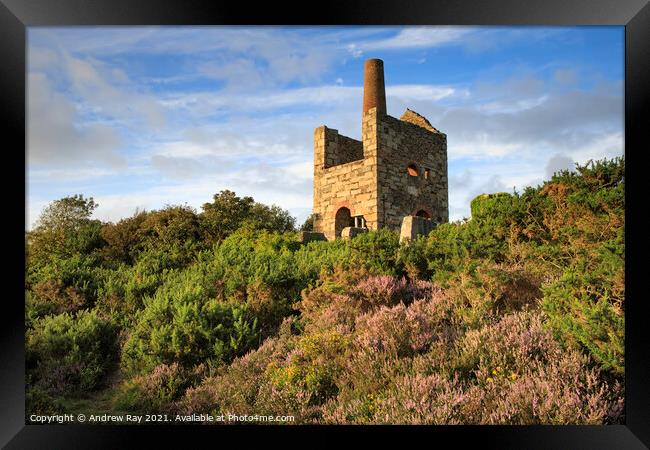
(427, 172)
(412, 170)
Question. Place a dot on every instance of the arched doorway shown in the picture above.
(423, 213)
(342, 219)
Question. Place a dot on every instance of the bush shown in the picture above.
(236, 388)
(587, 318)
(309, 374)
(376, 252)
(124, 239)
(51, 297)
(510, 372)
(70, 352)
(79, 275)
(183, 322)
(39, 401)
(64, 229)
(156, 391)
(490, 205)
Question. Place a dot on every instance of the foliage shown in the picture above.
(39, 401)
(515, 316)
(308, 224)
(63, 229)
(69, 352)
(183, 322)
(228, 212)
(64, 284)
(124, 239)
(156, 391)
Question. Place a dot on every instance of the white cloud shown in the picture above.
(108, 91)
(209, 103)
(422, 92)
(355, 51)
(55, 134)
(419, 37)
(288, 187)
(481, 145)
(301, 171)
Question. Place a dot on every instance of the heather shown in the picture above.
(515, 316)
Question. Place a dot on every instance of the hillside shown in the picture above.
(515, 316)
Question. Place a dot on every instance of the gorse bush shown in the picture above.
(514, 316)
(155, 392)
(68, 352)
(184, 323)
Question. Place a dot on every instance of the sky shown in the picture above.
(144, 117)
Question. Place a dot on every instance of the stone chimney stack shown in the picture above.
(374, 94)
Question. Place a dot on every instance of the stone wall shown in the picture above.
(349, 185)
(412, 227)
(402, 144)
(340, 149)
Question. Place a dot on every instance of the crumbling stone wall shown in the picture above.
(402, 144)
(341, 149)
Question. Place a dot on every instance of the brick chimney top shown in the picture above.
(374, 94)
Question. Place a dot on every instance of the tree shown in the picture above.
(308, 225)
(68, 213)
(228, 212)
(124, 240)
(65, 228)
(170, 226)
(270, 218)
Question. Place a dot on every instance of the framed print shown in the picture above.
(366, 219)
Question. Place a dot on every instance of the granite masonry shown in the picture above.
(398, 169)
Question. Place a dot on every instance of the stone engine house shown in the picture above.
(398, 170)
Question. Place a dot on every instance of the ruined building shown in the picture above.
(396, 172)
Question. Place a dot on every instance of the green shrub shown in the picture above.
(156, 391)
(64, 229)
(513, 316)
(586, 315)
(79, 272)
(376, 251)
(183, 322)
(124, 288)
(489, 205)
(69, 352)
(39, 401)
(311, 371)
(124, 239)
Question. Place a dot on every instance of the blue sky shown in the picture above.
(142, 117)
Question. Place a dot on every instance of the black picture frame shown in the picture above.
(17, 15)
